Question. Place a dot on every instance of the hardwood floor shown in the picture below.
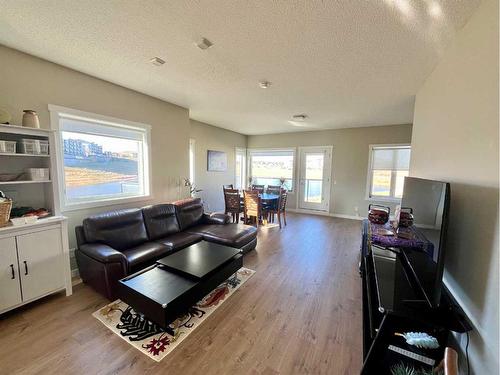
(299, 314)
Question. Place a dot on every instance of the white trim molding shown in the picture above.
(369, 176)
(244, 167)
(125, 128)
(277, 150)
(329, 185)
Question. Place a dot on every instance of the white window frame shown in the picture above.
(369, 176)
(56, 113)
(244, 168)
(270, 151)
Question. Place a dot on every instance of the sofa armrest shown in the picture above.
(216, 218)
(103, 253)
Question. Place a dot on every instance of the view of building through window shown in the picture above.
(97, 166)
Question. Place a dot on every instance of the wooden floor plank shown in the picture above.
(299, 314)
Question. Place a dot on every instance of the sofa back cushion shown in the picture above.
(160, 220)
(120, 229)
(189, 212)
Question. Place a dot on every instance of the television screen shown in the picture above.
(429, 201)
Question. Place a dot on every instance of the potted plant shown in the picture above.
(282, 182)
(192, 188)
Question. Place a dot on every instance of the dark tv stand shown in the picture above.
(392, 304)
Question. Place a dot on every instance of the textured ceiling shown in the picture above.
(345, 63)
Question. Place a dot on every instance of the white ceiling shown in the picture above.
(345, 63)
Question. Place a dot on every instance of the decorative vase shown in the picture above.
(30, 119)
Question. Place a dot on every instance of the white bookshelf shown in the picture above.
(6, 154)
(40, 247)
(23, 191)
(22, 182)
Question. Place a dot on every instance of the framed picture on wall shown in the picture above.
(216, 161)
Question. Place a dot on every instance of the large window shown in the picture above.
(101, 160)
(267, 167)
(388, 166)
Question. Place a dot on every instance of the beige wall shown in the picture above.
(455, 139)
(27, 82)
(349, 162)
(206, 138)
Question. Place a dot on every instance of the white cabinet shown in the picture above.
(9, 274)
(34, 262)
(40, 262)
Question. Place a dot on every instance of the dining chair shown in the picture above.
(280, 208)
(232, 200)
(259, 188)
(253, 207)
(230, 186)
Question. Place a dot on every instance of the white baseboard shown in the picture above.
(323, 213)
(351, 217)
(312, 212)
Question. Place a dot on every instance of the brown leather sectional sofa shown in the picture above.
(115, 244)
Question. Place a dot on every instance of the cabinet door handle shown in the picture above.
(12, 271)
(25, 267)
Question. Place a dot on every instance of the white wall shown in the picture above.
(455, 139)
(27, 82)
(206, 138)
(349, 160)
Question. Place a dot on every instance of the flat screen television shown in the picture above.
(430, 201)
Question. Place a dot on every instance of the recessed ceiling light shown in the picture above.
(204, 43)
(265, 84)
(157, 61)
(299, 118)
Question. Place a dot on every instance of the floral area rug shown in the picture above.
(151, 339)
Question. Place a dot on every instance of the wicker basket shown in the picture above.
(5, 208)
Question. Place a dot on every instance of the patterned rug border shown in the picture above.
(107, 315)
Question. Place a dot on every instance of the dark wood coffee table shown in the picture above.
(167, 289)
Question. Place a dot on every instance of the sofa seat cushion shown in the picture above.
(180, 240)
(145, 254)
(234, 235)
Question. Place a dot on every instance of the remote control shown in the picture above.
(417, 357)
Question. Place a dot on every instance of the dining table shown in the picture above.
(268, 198)
(271, 200)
